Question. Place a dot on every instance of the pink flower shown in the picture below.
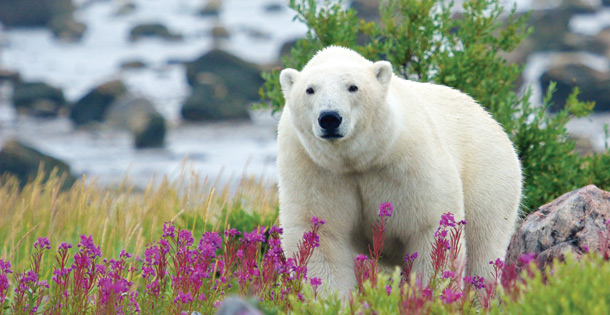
(65, 246)
(43, 243)
(185, 238)
(232, 233)
(447, 220)
(388, 289)
(183, 297)
(317, 222)
(361, 258)
(477, 282)
(385, 209)
(525, 259)
(258, 235)
(275, 229)
(448, 274)
(315, 281)
(5, 267)
(168, 230)
(498, 263)
(448, 296)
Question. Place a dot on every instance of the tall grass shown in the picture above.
(124, 217)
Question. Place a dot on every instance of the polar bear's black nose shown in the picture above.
(329, 120)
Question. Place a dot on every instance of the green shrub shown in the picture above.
(425, 43)
(574, 287)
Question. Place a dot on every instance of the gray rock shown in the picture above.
(93, 106)
(220, 32)
(223, 87)
(55, 14)
(573, 222)
(209, 102)
(569, 73)
(9, 76)
(67, 29)
(274, 7)
(235, 305)
(367, 9)
(23, 162)
(139, 116)
(152, 30)
(133, 65)
(211, 8)
(125, 9)
(33, 13)
(38, 99)
(239, 77)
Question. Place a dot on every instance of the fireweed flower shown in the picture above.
(385, 209)
(275, 229)
(168, 230)
(183, 297)
(316, 222)
(525, 259)
(86, 243)
(185, 238)
(65, 246)
(448, 274)
(42, 243)
(476, 281)
(448, 296)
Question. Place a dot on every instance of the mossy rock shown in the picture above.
(38, 99)
(238, 76)
(23, 162)
(93, 106)
(152, 30)
(208, 102)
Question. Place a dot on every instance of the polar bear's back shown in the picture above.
(480, 148)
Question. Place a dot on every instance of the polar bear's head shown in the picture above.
(336, 101)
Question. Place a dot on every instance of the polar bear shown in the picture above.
(353, 135)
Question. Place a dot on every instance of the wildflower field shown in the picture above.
(183, 247)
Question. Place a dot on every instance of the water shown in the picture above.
(227, 148)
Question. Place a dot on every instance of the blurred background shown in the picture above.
(137, 88)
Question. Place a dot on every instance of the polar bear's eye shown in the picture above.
(353, 88)
(309, 90)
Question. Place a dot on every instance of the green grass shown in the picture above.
(124, 217)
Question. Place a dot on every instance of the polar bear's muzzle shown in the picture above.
(330, 121)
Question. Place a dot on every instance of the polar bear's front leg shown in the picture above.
(333, 261)
(329, 197)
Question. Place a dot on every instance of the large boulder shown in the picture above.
(67, 28)
(367, 9)
(38, 99)
(594, 85)
(238, 76)
(93, 106)
(23, 162)
(223, 87)
(211, 8)
(149, 30)
(9, 76)
(55, 14)
(213, 102)
(32, 13)
(570, 223)
(139, 116)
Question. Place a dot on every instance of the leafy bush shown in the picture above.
(424, 42)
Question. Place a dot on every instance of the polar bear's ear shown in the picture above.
(383, 71)
(287, 78)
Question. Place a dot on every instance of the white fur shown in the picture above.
(427, 149)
